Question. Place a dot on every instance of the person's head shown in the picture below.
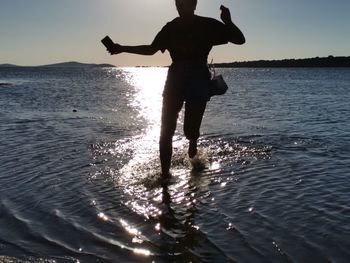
(186, 7)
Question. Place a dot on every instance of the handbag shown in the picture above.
(218, 85)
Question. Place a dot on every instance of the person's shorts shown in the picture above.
(188, 80)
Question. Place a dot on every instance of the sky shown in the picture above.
(38, 32)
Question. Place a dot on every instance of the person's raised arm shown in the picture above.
(236, 35)
(140, 50)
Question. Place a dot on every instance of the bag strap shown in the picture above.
(212, 69)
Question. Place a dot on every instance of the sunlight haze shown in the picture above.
(40, 32)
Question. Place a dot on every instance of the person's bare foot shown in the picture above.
(165, 178)
(192, 149)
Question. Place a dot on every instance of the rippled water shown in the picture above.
(79, 170)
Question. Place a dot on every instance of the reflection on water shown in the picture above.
(171, 206)
(147, 98)
(79, 169)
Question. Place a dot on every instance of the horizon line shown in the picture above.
(101, 64)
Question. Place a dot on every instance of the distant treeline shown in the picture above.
(329, 61)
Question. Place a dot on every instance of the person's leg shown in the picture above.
(170, 112)
(194, 111)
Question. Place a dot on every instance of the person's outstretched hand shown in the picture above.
(225, 15)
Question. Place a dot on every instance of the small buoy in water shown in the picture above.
(74, 110)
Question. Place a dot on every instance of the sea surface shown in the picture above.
(80, 174)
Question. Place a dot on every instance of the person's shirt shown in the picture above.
(191, 39)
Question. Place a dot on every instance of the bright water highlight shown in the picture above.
(79, 170)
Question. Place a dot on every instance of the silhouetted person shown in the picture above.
(189, 39)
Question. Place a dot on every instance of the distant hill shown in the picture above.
(71, 64)
(329, 61)
(7, 65)
(74, 64)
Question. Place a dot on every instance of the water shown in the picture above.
(79, 169)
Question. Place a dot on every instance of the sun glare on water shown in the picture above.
(148, 83)
(158, 210)
(148, 86)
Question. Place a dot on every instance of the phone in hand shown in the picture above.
(107, 42)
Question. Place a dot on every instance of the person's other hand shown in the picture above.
(225, 15)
